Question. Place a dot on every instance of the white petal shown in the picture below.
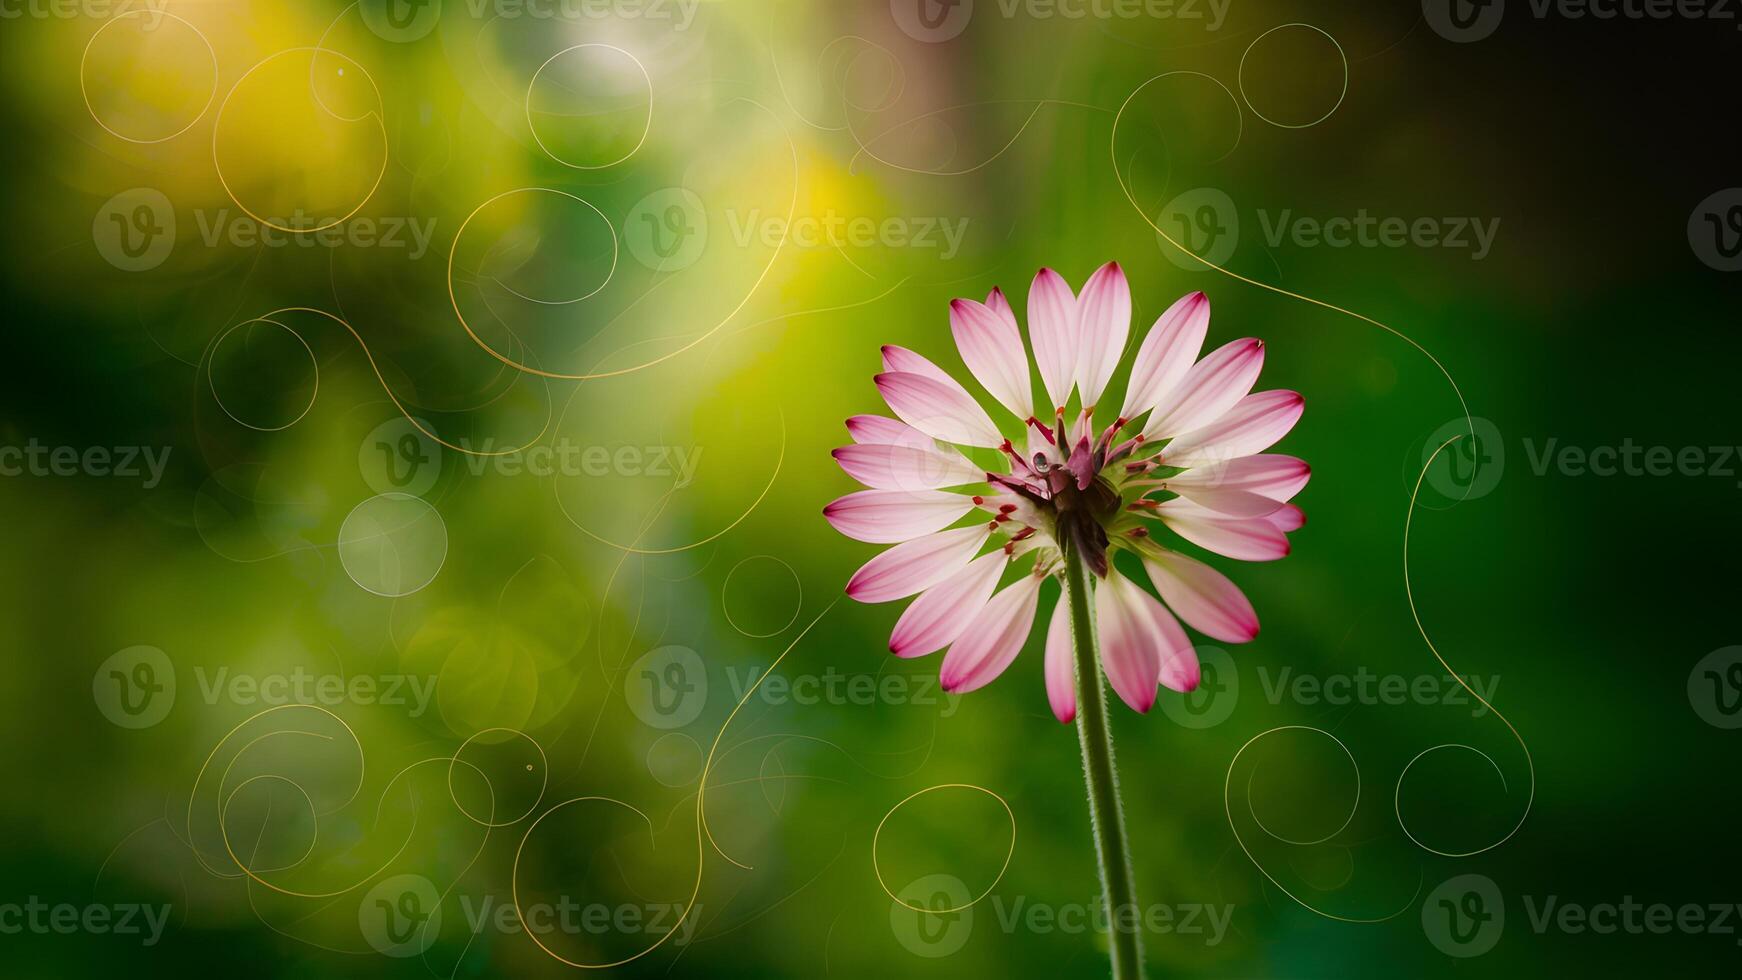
(1052, 331)
(937, 617)
(992, 640)
(992, 348)
(1104, 322)
(943, 411)
(1167, 353)
(890, 516)
(917, 565)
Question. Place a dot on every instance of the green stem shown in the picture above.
(1118, 889)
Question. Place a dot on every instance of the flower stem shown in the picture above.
(1118, 889)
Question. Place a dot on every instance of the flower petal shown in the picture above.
(890, 516)
(942, 411)
(1052, 330)
(1252, 426)
(1180, 670)
(935, 619)
(917, 565)
(1288, 518)
(900, 359)
(885, 467)
(1203, 597)
(1104, 322)
(1209, 389)
(1250, 540)
(992, 639)
(877, 430)
(1130, 647)
(1061, 677)
(1234, 503)
(1270, 475)
(1167, 353)
(992, 348)
(1000, 305)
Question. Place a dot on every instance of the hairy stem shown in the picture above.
(1118, 889)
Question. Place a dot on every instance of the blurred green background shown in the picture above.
(644, 254)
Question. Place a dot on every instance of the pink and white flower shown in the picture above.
(1185, 456)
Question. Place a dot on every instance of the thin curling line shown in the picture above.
(1228, 809)
(704, 836)
(544, 769)
(773, 477)
(878, 871)
(212, 381)
(609, 273)
(1113, 155)
(380, 124)
(645, 129)
(85, 94)
(1240, 77)
(388, 389)
(792, 209)
(1530, 763)
(707, 764)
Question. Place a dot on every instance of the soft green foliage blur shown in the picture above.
(1584, 601)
